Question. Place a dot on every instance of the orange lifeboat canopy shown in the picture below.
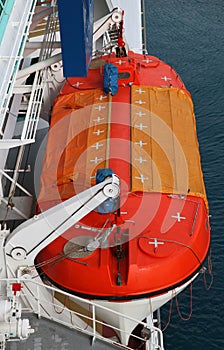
(158, 236)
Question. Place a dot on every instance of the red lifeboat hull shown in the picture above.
(162, 233)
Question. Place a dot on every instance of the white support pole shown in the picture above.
(94, 323)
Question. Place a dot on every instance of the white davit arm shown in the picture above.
(104, 24)
(28, 239)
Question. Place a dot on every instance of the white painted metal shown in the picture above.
(40, 13)
(12, 143)
(19, 249)
(132, 21)
(47, 226)
(136, 309)
(23, 74)
(34, 96)
(36, 90)
(11, 51)
(11, 324)
(43, 301)
(32, 46)
(104, 24)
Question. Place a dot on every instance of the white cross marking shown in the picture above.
(97, 145)
(147, 60)
(141, 126)
(140, 91)
(166, 78)
(77, 84)
(100, 107)
(140, 102)
(96, 160)
(98, 120)
(178, 217)
(142, 178)
(140, 143)
(98, 132)
(141, 160)
(120, 62)
(101, 97)
(156, 243)
(140, 114)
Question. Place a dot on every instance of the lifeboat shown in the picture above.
(132, 116)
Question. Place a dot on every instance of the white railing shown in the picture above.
(144, 39)
(11, 51)
(40, 79)
(35, 92)
(91, 324)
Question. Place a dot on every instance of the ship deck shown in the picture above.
(53, 336)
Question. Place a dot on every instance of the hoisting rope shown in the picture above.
(87, 317)
(210, 272)
(63, 303)
(61, 256)
(175, 242)
(169, 313)
(66, 304)
(191, 306)
(207, 287)
(203, 270)
(174, 296)
(53, 261)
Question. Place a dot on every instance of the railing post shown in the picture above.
(38, 301)
(153, 337)
(94, 323)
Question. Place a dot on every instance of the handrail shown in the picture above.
(41, 304)
(13, 50)
(40, 79)
(38, 87)
(144, 39)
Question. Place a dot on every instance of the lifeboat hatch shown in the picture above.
(156, 248)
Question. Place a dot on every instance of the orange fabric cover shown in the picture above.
(77, 124)
(164, 148)
(165, 154)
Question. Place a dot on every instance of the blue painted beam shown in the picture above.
(76, 29)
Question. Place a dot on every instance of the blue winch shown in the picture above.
(110, 205)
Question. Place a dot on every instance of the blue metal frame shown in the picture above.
(76, 29)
